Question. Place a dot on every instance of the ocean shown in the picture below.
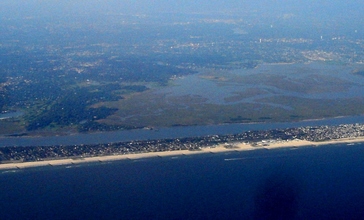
(324, 182)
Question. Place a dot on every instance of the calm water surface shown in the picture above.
(306, 183)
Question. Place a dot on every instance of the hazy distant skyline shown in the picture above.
(38, 7)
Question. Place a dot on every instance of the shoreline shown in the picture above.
(222, 148)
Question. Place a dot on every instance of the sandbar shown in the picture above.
(222, 148)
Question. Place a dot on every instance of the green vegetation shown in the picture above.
(72, 108)
(240, 119)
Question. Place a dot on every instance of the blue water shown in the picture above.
(305, 183)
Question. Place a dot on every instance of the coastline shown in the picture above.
(222, 148)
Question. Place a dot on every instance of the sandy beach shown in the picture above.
(222, 148)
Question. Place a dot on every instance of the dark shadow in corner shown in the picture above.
(277, 198)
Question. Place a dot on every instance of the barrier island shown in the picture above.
(17, 157)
